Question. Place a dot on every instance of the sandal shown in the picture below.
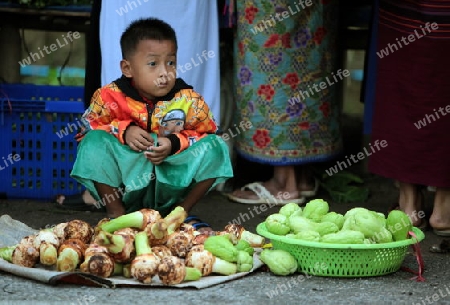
(264, 196)
(198, 223)
(442, 232)
(313, 192)
(443, 247)
(75, 203)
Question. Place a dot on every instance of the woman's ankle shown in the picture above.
(306, 179)
(411, 202)
(440, 218)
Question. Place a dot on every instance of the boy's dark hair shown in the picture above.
(141, 29)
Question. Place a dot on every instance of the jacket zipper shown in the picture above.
(149, 119)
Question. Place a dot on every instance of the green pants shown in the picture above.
(102, 158)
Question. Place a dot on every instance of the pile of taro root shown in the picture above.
(138, 245)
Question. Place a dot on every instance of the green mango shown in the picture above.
(399, 224)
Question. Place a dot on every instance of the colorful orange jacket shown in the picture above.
(118, 105)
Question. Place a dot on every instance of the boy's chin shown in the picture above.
(160, 92)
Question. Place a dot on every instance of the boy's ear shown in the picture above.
(125, 67)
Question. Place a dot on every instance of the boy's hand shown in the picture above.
(160, 152)
(137, 138)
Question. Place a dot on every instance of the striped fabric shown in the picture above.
(418, 17)
(412, 96)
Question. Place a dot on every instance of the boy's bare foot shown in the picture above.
(85, 197)
(77, 202)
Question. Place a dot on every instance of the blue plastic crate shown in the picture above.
(38, 123)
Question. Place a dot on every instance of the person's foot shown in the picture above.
(411, 201)
(78, 202)
(437, 222)
(307, 183)
(440, 218)
(274, 189)
(85, 197)
(308, 187)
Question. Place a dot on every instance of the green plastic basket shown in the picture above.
(343, 260)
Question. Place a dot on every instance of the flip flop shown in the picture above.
(442, 232)
(264, 196)
(198, 222)
(443, 247)
(76, 203)
(313, 192)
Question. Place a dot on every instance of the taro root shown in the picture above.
(79, 229)
(180, 243)
(98, 261)
(200, 239)
(97, 229)
(157, 232)
(47, 243)
(238, 232)
(207, 263)
(175, 219)
(59, 231)
(145, 265)
(25, 253)
(120, 244)
(161, 251)
(70, 254)
(139, 220)
(172, 271)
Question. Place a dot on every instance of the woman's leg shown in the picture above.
(306, 180)
(440, 218)
(411, 202)
(284, 181)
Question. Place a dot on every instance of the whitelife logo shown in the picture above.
(187, 66)
(341, 165)
(11, 158)
(270, 22)
(428, 117)
(392, 47)
(129, 7)
(302, 95)
(53, 47)
(226, 136)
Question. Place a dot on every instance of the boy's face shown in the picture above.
(152, 67)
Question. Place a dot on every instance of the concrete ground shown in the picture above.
(260, 287)
(256, 288)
